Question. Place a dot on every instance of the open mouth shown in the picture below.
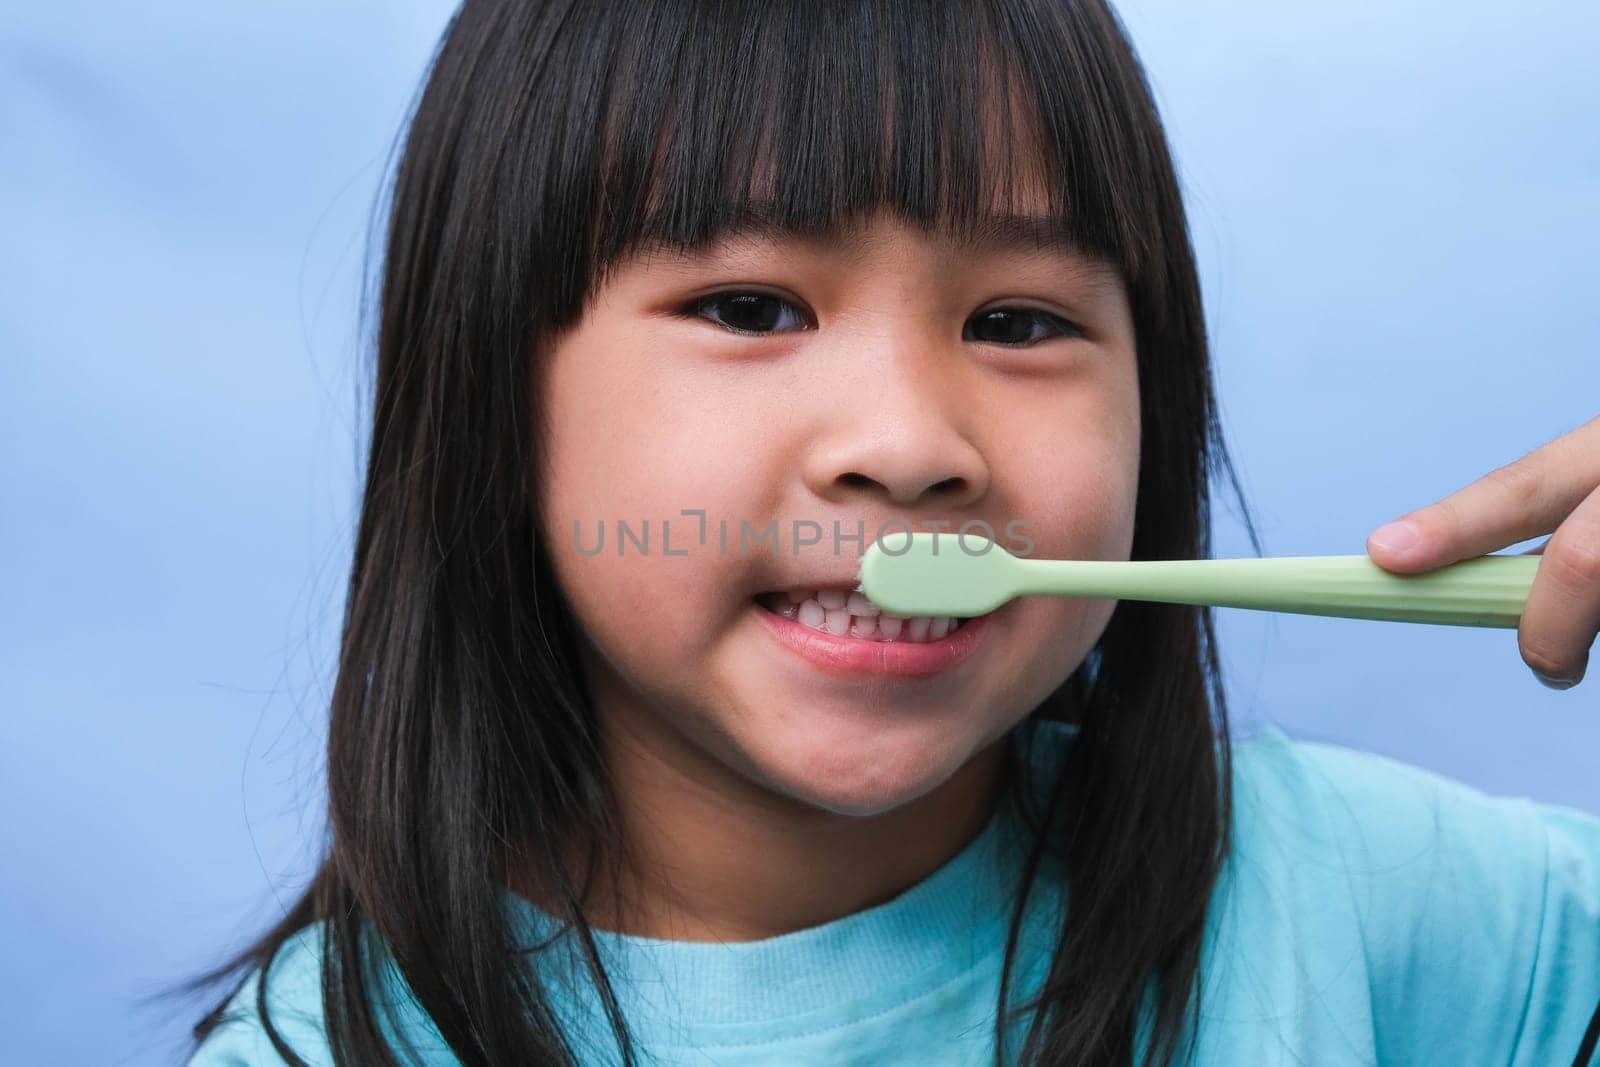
(845, 613)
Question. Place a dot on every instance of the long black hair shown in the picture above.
(549, 139)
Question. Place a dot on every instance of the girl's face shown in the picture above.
(886, 377)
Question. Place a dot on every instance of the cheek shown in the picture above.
(641, 432)
(627, 448)
(1074, 479)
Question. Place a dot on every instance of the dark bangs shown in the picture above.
(799, 116)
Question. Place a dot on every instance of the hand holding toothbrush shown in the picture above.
(1556, 487)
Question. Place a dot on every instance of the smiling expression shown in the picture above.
(879, 374)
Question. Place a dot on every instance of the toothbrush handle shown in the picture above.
(1486, 591)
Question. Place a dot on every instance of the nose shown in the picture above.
(901, 440)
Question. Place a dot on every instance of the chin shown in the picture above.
(865, 771)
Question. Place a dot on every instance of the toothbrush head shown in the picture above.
(963, 576)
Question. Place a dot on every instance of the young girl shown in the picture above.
(682, 304)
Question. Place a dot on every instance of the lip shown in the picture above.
(860, 657)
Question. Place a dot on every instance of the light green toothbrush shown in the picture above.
(967, 575)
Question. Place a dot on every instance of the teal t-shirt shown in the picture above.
(1370, 913)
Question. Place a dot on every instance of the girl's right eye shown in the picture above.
(750, 314)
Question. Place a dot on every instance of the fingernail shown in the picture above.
(1555, 683)
(1398, 536)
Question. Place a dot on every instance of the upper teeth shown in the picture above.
(838, 612)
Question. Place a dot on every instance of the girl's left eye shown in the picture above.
(1013, 327)
(755, 314)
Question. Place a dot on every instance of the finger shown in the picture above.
(1562, 615)
(1523, 499)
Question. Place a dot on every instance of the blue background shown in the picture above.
(1395, 210)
